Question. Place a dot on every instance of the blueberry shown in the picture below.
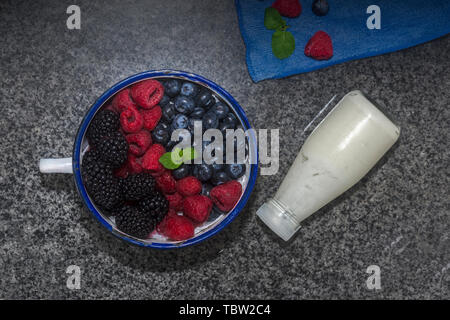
(172, 87)
(230, 118)
(220, 109)
(205, 99)
(217, 166)
(164, 100)
(237, 145)
(170, 144)
(182, 171)
(219, 177)
(184, 104)
(180, 122)
(223, 126)
(235, 170)
(197, 113)
(168, 111)
(161, 133)
(182, 136)
(212, 154)
(210, 121)
(162, 125)
(191, 125)
(189, 89)
(202, 172)
(206, 189)
(320, 7)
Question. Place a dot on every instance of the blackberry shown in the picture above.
(103, 124)
(137, 186)
(109, 196)
(154, 207)
(132, 221)
(113, 149)
(102, 186)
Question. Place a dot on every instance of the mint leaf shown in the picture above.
(188, 154)
(171, 160)
(272, 19)
(283, 43)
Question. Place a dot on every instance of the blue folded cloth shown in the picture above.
(404, 23)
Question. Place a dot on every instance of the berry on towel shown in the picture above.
(288, 8)
(319, 47)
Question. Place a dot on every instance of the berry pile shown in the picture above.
(122, 171)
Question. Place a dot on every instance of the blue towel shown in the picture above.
(404, 23)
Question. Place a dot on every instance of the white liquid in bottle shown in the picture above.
(338, 153)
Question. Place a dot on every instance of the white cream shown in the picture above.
(338, 153)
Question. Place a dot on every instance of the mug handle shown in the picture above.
(61, 165)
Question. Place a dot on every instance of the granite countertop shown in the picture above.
(396, 218)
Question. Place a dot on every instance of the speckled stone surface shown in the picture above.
(396, 218)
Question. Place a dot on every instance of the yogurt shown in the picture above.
(338, 153)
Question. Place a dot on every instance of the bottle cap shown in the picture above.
(278, 219)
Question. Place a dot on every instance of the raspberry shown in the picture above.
(161, 226)
(150, 160)
(226, 195)
(131, 120)
(134, 164)
(175, 201)
(189, 186)
(139, 142)
(147, 93)
(319, 47)
(151, 117)
(177, 228)
(197, 207)
(288, 8)
(122, 100)
(166, 183)
(159, 172)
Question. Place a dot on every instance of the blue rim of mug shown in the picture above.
(125, 83)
